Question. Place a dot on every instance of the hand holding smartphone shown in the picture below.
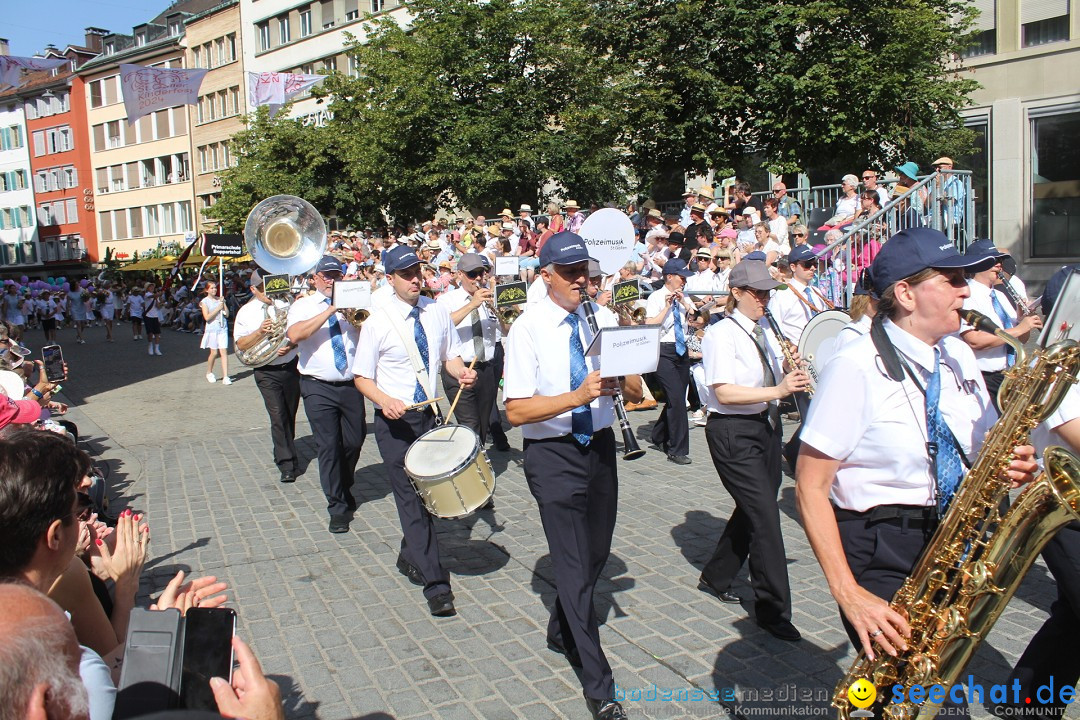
(53, 359)
(208, 652)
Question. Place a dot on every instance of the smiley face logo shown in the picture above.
(862, 693)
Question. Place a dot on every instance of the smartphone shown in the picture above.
(208, 653)
(53, 357)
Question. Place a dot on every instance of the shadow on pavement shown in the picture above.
(612, 580)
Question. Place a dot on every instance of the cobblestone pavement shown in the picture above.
(346, 636)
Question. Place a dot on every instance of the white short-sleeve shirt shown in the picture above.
(538, 363)
(853, 331)
(1045, 434)
(876, 426)
(791, 312)
(995, 358)
(657, 303)
(454, 300)
(382, 356)
(251, 316)
(316, 353)
(731, 357)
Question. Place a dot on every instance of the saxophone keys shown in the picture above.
(920, 669)
(953, 624)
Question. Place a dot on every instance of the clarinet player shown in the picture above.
(565, 411)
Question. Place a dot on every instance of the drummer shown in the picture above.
(409, 328)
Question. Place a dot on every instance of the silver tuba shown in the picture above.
(285, 236)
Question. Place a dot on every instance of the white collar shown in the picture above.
(912, 347)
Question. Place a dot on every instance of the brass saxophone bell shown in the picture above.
(508, 315)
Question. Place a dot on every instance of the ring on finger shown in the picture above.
(876, 633)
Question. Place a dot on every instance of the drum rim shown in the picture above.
(471, 459)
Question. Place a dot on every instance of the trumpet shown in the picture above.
(507, 315)
(632, 317)
(355, 316)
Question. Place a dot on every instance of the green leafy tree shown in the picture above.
(280, 156)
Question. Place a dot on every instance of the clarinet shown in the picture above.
(631, 449)
(786, 349)
(1014, 297)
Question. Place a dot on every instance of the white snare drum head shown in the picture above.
(441, 451)
(818, 341)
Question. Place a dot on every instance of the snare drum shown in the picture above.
(450, 471)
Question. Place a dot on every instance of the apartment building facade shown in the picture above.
(1027, 119)
(142, 175)
(55, 109)
(214, 42)
(18, 221)
(307, 37)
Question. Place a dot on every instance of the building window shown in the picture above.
(110, 47)
(196, 57)
(230, 47)
(95, 94)
(264, 35)
(174, 27)
(354, 66)
(378, 5)
(1043, 21)
(140, 39)
(305, 23)
(283, 30)
(1055, 180)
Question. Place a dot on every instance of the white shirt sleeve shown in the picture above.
(520, 378)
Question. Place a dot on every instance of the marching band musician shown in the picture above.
(278, 381)
(326, 345)
(667, 307)
(387, 376)
(862, 312)
(992, 354)
(795, 306)
(746, 376)
(880, 460)
(1050, 658)
(470, 307)
(565, 411)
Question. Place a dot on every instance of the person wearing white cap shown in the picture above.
(278, 380)
(525, 213)
(574, 218)
(952, 195)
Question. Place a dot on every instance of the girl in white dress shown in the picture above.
(108, 310)
(216, 334)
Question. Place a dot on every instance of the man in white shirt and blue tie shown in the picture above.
(795, 306)
(386, 376)
(326, 344)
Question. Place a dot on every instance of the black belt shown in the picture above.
(917, 517)
(291, 365)
(335, 383)
(763, 415)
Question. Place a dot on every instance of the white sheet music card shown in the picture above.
(1061, 323)
(506, 266)
(626, 350)
(352, 294)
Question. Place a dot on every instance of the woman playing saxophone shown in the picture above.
(878, 464)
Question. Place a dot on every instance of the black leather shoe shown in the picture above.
(287, 477)
(605, 709)
(502, 446)
(409, 570)
(679, 459)
(489, 505)
(725, 596)
(662, 447)
(572, 655)
(442, 605)
(781, 629)
(339, 524)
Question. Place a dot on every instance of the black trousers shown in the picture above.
(495, 426)
(335, 412)
(881, 556)
(419, 543)
(672, 428)
(993, 382)
(474, 408)
(280, 388)
(577, 491)
(1051, 655)
(746, 453)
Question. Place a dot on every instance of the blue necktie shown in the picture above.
(581, 418)
(340, 360)
(947, 464)
(810, 299)
(680, 334)
(1006, 323)
(419, 394)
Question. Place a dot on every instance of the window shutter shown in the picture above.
(1036, 10)
(72, 210)
(58, 213)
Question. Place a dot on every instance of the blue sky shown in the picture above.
(61, 22)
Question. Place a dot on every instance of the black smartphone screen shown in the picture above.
(207, 653)
(53, 358)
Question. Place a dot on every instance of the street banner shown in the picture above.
(148, 89)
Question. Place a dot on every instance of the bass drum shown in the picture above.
(450, 471)
(818, 341)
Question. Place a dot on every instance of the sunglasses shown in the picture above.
(869, 177)
(474, 274)
(799, 234)
(807, 264)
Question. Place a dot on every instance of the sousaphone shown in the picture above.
(285, 235)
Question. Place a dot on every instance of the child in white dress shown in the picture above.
(216, 335)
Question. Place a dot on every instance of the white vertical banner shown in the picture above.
(148, 89)
(275, 89)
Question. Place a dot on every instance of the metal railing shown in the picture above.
(942, 201)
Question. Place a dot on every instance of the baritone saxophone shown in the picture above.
(978, 555)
